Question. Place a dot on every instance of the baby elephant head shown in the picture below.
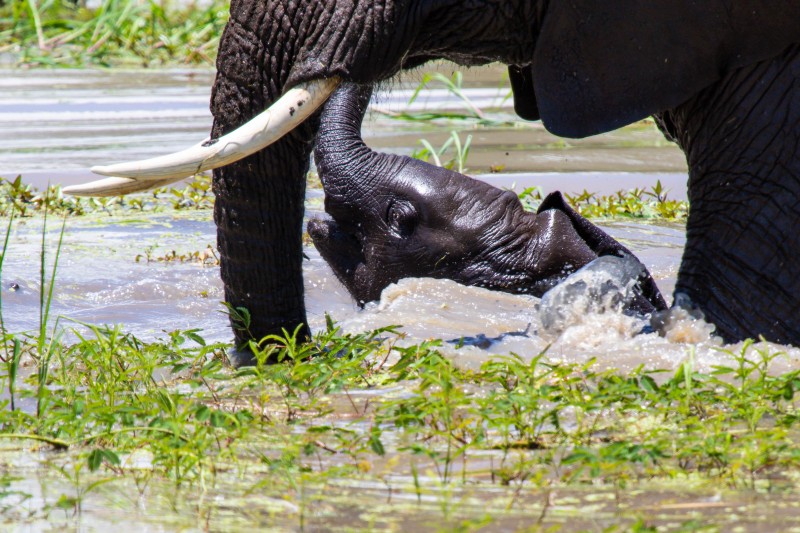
(394, 217)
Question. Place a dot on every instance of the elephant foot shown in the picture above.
(683, 322)
(240, 357)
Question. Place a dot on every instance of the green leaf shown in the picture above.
(111, 457)
(180, 367)
(219, 419)
(648, 384)
(95, 459)
(66, 502)
(375, 443)
(192, 334)
(202, 413)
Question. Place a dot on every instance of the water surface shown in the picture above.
(57, 124)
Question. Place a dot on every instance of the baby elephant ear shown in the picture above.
(601, 64)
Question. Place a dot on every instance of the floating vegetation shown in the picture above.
(652, 203)
(25, 200)
(207, 257)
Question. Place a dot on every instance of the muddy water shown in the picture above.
(56, 124)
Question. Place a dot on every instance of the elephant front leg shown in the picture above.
(259, 200)
(741, 265)
(259, 240)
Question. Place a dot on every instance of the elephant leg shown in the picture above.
(259, 200)
(741, 137)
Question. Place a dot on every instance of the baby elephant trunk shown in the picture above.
(345, 164)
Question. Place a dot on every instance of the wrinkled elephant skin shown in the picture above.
(722, 78)
(395, 217)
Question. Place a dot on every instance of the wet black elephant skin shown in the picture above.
(395, 217)
(722, 78)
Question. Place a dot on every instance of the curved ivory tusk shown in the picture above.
(288, 112)
(115, 186)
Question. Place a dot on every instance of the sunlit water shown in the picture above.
(57, 124)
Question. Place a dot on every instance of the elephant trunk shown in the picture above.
(348, 168)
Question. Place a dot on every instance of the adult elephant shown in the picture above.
(721, 77)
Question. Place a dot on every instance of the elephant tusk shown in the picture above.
(115, 186)
(289, 111)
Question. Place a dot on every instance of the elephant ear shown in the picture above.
(598, 240)
(601, 64)
(601, 243)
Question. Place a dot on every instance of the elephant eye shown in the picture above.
(401, 218)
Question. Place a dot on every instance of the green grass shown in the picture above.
(436, 156)
(639, 203)
(454, 84)
(128, 33)
(361, 407)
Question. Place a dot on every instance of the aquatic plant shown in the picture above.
(454, 84)
(363, 406)
(436, 156)
(646, 203)
(12, 348)
(643, 203)
(115, 32)
(25, 200)
(207, 257)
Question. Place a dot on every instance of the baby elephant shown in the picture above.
(395, 217)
